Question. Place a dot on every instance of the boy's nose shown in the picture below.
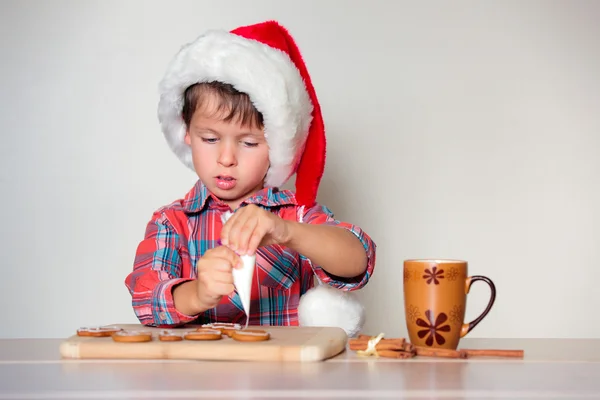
(227, 156)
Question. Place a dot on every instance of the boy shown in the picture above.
(239, 109)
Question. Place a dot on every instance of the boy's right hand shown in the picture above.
(214, 275)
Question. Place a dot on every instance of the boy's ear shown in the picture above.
(186, 138)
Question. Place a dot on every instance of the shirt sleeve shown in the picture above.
(156, 271)
(319, 214)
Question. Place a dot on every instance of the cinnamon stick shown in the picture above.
(368, 337)
(401, 348)
(493, 353)
(394, 354)
(379, 346)
(394, 344)
(435, 352)
(409, 347)
(365, 339)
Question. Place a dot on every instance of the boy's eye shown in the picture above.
(250, 144)
(209, 140)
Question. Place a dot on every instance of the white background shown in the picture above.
(464, 129)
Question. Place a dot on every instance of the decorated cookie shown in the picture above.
(225, 327)
(251, 335)
(132, 336)
(98, 331)
(203, 334)
(170, 336)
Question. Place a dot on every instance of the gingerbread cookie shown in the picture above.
(203, 334)
(226, 328)
(251, 335)
(132, 336)
(98, 331)
(169, 336)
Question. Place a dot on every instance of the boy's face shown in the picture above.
(230, 159)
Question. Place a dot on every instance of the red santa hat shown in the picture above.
(263, 61)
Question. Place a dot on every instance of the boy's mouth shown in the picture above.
(224, 182)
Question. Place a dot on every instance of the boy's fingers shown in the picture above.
(227, 227)
(219, 264)
(245, 232)
(222, 277)
(229, 259)
(222, 289)
(255, 240)
(233, 236)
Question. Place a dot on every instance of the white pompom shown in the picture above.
(324, 305)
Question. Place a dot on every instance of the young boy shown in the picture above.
(239, 109)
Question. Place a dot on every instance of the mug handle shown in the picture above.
(466, 328)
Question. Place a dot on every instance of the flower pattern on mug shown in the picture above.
(432, 329)
(433, 275)
(456, 315)
(412, 313)
(407, 274)
(452, 274)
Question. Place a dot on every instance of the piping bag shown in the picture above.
(242, 278)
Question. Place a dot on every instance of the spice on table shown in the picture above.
(378, 346)
(436, 352)
(494, 353)
(390, 344)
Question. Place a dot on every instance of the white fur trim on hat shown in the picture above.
(266, 74)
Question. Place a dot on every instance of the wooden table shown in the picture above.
(551, 369)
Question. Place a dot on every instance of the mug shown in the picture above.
(435, 300)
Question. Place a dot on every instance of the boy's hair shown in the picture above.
(235, 105)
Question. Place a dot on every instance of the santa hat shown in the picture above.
(263, 61)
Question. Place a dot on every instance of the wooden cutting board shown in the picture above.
(297, 344)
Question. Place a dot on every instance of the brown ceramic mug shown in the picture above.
(435, 300)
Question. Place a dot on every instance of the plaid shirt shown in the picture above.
(180, 233)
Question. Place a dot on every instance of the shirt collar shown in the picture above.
(199, 197)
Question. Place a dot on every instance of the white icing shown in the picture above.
(226, 325)
(169, 333)
(242, 277)
(98, 329)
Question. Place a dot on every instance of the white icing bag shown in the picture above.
(242, 278)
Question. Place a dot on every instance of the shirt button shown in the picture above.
(162, 315)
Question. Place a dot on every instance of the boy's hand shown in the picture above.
(214, 276)
(251, 227)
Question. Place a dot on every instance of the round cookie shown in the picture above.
(132, 336)
(229, 331)
(203, 334)
(169, 336)
(98, 331)
(226, 328)
(251, 335)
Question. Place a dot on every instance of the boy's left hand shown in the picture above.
(251, 227)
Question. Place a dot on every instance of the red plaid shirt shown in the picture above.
(180, 233)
